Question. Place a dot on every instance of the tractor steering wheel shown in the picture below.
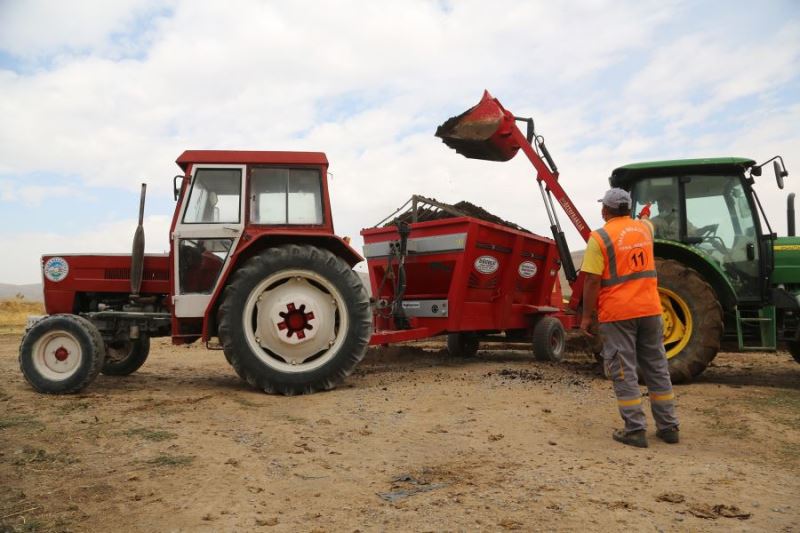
(708, 232)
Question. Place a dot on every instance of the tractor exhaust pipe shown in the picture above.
(790, 214)
(137, 254)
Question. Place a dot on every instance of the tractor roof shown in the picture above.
(250, 157)
(715, 165)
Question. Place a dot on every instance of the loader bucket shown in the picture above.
(483, 132)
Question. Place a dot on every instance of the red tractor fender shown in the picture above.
(251, 245)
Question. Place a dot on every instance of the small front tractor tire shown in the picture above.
(549, 340)
(125, 358)
(692, 318)
(61, 354)
(294, 319)
(462, 344)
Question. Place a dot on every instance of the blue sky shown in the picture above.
(100, 96)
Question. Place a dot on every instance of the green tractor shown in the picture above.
(725, 279)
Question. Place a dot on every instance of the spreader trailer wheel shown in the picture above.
(61, 354)
(549, 340)
(464, 344)
(294, 319)
(126, 357)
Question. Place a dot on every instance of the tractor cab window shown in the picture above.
(215, 197)
(718, 217)
(201, 261)
(727, 231)
(284, 196)
(665, 209)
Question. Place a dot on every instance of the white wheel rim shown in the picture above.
(283, 339)
(57, 355)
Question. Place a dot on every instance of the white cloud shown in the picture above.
(33, 28)
(34, 195)
(701, 67)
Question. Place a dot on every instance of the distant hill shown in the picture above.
(31, 292)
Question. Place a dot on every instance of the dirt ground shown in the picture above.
(413, 441)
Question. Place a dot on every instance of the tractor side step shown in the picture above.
(764, 318)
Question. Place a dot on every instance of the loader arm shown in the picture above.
(550, 180)
(488, 131)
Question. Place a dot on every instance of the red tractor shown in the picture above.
(253, 261)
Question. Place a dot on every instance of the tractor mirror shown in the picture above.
(176, 188)
(779, 174)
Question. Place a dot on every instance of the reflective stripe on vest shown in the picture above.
(614, 278)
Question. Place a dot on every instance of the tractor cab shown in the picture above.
(705, 215)
(229, 200)
(709, 208)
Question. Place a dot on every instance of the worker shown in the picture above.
(666, 222)
(621, 285)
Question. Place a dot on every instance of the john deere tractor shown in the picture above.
(723, 275)
(725, 278)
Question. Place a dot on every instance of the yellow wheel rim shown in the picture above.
(677, 322)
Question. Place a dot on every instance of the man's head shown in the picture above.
(666, 204)
(616, 203)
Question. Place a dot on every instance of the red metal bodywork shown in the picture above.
(476, 301)
(103, 274)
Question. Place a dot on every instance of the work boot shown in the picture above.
(634, 438)
(669, 435)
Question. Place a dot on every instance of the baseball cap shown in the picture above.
(616, 198)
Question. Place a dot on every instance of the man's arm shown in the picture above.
(591, 288)
(593, 266)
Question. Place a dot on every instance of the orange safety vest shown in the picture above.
(628, 287)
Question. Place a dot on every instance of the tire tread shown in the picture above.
(95, 355)
(707, 320)
(257, 267)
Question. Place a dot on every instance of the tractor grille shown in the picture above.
(125, 273)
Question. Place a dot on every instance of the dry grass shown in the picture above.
(14, 314)
(171, 460)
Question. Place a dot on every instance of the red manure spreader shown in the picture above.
(255, 268)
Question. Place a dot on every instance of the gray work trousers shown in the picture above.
(632, 347)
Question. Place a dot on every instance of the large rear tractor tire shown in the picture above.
(549, 340)
(125, 358)
(692, 318)
(462, 344)
(294, 319)
(61, 354)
